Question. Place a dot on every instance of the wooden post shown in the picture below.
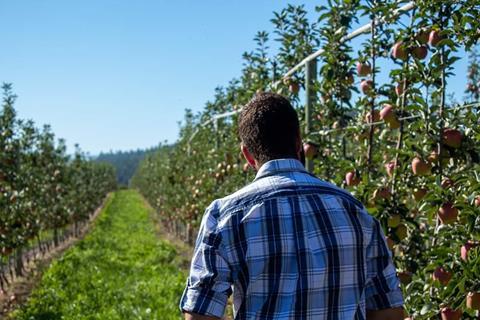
(310, 77)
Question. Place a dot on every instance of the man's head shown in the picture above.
(269, 129)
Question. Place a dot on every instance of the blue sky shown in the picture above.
(117, 75)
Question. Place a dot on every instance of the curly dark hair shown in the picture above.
(269, 128)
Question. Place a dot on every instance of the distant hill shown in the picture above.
(125, 162)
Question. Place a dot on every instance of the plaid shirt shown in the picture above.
(291, 246)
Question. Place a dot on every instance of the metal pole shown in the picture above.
(310, 77)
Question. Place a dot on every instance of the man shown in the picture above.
(290, 245)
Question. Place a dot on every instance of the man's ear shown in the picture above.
(248, 156)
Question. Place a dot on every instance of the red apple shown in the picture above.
(419, 193)
(466, 248)
(6, 251)
(387, 114)
(420, 52)
(449, 314)
(433, 156)
(390, 243)
(420, 167)
(399, 51)
(405, 277)
(390, 167)
(473, 300)
(366, 86)
(376, 116)
(351, 179)
(363, 69)
(447, 213)
(434, 38)
(441, 275)
(294, 87)
(447, 183)
(310, 150)
(452, 137)
(477, 201)
(382, 193)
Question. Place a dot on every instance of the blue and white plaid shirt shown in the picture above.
(290, 246)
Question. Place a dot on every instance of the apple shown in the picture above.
(390, 167)
(422, 36)
(441, 275)
(382, 193)
(366, 86)
(351, 179)
(363, 69)
(434, 38)
(401, 231)
(399, 51)
(477, 201)
(6, 251)
(465, 249)
(390, 242)
(405, 277)
(452, 137)
(376, 116)
(473, 300)
(420, 52)
(433, 156)
(420, 167)
(294, 87)
(447, 213)
(310, 150)
(448, 313)
(394, 220)
(387, 114)
(447, 183)
(419, 193)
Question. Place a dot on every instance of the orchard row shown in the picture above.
(404, 147)
(42, 189)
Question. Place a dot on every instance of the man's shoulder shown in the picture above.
(261, 190)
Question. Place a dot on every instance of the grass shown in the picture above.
(121, 270)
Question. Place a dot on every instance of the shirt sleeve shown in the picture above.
(382, 286)
(209, 282)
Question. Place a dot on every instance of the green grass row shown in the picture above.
(121, 270)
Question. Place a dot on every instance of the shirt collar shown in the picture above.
(273, 167)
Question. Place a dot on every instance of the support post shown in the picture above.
(310, 77)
